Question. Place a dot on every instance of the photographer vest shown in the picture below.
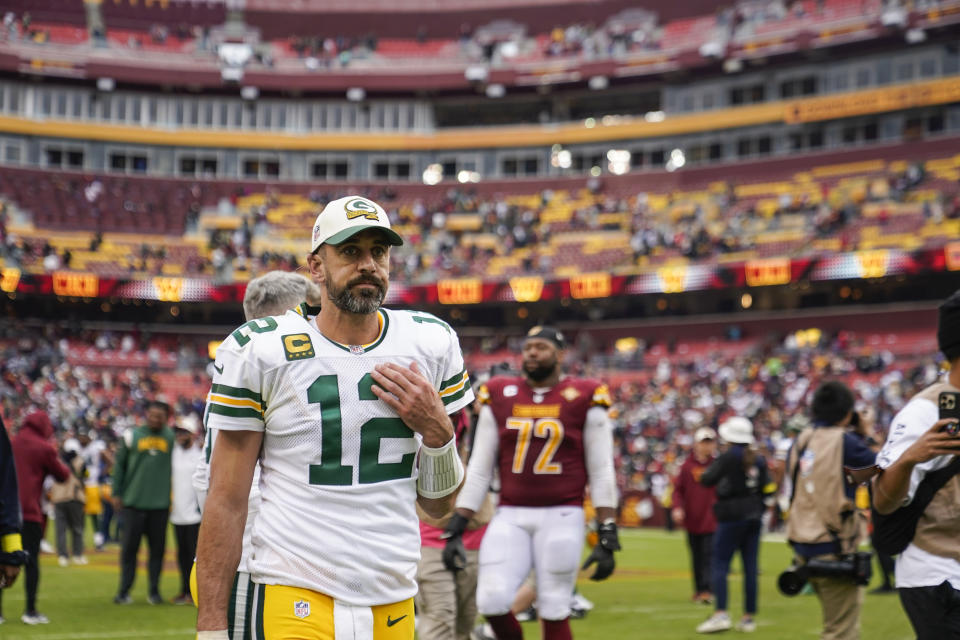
(821, 511)
(938, 526)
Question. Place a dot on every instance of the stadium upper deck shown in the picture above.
(520, 45)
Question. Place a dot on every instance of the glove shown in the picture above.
(454, 554)
(14, 558)
(602, 553)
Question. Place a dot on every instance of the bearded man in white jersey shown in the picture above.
(271, 294)
(348, 410)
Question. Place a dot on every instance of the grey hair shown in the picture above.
(275, 292)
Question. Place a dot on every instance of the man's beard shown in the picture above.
(363, 303)
(540, 372)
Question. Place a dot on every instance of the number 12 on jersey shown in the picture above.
(527, 428)
(325, 391)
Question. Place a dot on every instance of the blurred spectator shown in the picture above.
(741, 480)
(693, 510)
(141, 488)
(68, 499)
(185, 510)
(36, 458)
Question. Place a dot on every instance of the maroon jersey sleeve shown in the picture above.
(541, 456)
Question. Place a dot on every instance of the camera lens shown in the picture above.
(791, 582)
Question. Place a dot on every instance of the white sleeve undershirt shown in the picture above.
(482, 458)
(598, 451)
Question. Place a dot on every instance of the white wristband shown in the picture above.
(441, 470)
(213, 635)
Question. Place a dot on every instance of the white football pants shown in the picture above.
(548, 539)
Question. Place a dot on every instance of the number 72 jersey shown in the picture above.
(541, 456)
(338, 466)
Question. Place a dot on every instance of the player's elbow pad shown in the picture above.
(441, 470)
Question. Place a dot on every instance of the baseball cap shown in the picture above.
(345, 217)
(548, 333)
(704, 433)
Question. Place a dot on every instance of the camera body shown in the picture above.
(853, 566)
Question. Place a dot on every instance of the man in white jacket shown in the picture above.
(184, 507)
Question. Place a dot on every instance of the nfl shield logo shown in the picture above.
(356, 349)
(301, 609)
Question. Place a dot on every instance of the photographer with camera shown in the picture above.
(918, 486)
(824, 526)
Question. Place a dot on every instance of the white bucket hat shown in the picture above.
(347, 216)
(737, 430)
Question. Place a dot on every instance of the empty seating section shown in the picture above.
(142, 14)
(868, 204)
(53, 11)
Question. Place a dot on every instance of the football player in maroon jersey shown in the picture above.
(548, 435)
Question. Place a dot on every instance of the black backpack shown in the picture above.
(893, 532)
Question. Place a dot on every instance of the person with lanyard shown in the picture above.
(919, 446)
(823, 522)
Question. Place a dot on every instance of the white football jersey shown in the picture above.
(338, 477)
(201, 483)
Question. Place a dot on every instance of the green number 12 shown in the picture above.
(325, 391)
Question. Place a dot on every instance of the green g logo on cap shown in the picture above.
(360, 207)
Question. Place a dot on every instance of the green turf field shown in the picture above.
(648, 597)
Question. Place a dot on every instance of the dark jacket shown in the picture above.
(740, 491)
(11, 520)
(36, 458)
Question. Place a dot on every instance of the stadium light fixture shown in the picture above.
(476, 73)
(618, 161)
(595, 171)
(915, 36)
(106, 84)
(433, 174)
(598, 83)
(356, 94)
(496, 91)
(465, 176)
(231, 74)
(676, 161)
(590, 123)
(733, 65)
(655, 116)
(249, 93)
(746, 301)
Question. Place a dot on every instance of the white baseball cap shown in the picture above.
(347, 216)
(737, 430)
(704, 433)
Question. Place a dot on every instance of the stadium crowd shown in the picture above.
(656, 409)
